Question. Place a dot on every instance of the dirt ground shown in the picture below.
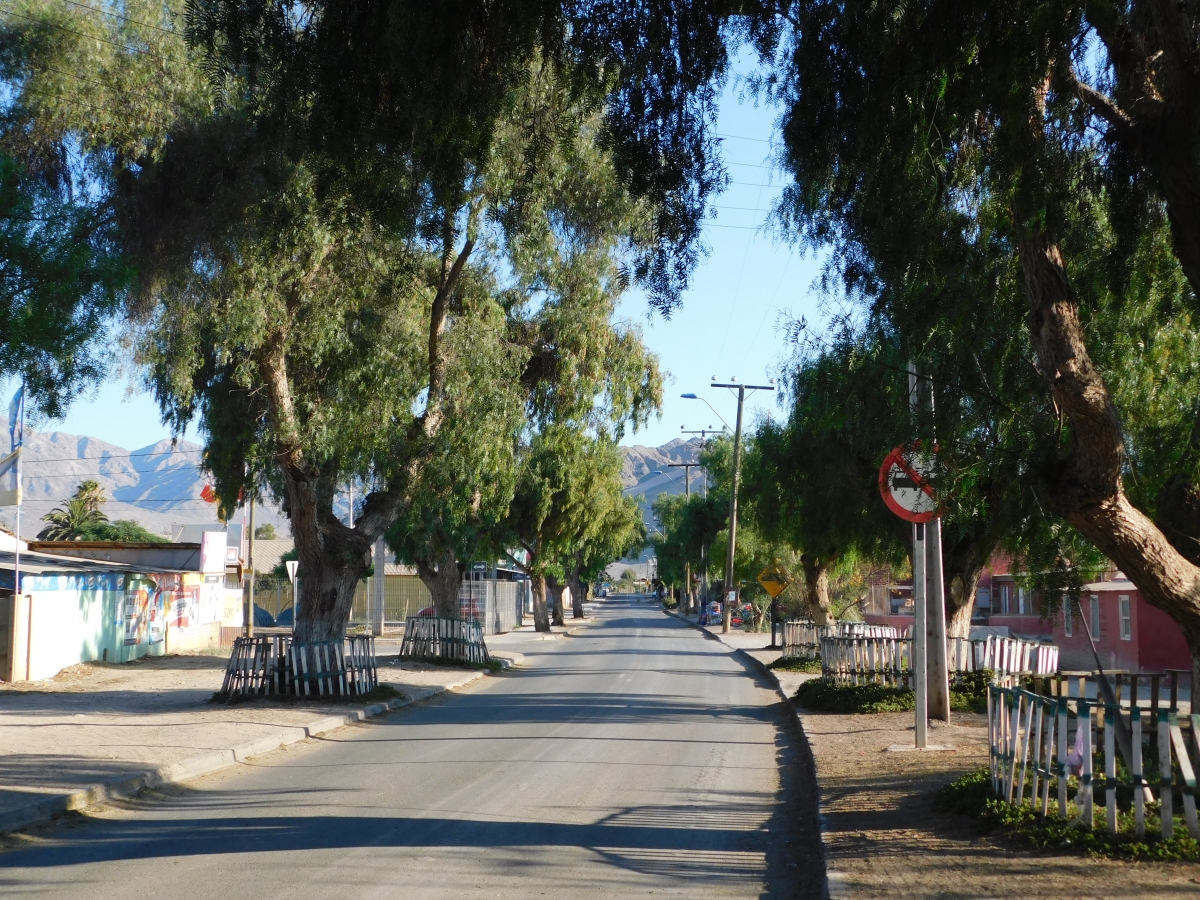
(884, 840)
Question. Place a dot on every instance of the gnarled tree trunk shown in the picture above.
(579, 589)
(1088, 489)
(554, 588)
(442, 574)
(541, 616)
(816, 583)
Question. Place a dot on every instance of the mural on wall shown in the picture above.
(59, 581)
(137, 614)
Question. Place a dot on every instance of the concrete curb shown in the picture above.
(212, 760)
(835, 887)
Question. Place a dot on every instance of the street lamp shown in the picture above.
(730, 590)
(710, 406)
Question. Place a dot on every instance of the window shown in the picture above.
(1095, 617)
(1022, 602)
(1126, 618)
(1068, 630)
(1005, 593)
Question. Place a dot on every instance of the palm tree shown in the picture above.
(74, 519)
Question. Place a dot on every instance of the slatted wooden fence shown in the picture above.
(276, 664)
(1029, 733)
(258, 665)
(433, 637)
(866, 660)
(802, 638)
(1006, 656)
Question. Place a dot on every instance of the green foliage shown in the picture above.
(971, 795)
(797, 664)
(265, 533)
(968, 693)
(851, 699)
(121, 530)
(398, 103)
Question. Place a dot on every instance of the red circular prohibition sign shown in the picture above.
(904, 487)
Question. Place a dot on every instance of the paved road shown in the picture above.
(638, 757)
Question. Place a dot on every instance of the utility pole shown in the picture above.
(704, 433)
(250, 566)
(687, 496)
(730, 588)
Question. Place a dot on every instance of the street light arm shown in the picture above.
(706, 403)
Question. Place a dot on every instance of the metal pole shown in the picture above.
(250, 565)
(379, 587)
(919, 632)
(730, 589)
(939, 675)
(920, 683)
(687, 566)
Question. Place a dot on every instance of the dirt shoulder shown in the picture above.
(883, 838)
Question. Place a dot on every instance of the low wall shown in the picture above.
(60, 620)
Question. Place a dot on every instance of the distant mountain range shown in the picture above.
(641, 463)
(157, 486)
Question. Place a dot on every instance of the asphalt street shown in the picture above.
(637, 757)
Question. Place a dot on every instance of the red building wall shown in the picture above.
(1155, 642)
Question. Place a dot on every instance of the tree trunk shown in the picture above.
(962, 564)
(960, 603)
(816, 581)
(554, 589)
(442, 575)
(541, 617)
(578, 593)
(1088, 489)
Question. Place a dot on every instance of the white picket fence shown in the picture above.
(888, 660)
(802, 638)
(1052, 743)
(1009, 656)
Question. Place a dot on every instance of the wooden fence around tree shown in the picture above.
(1058, 752)
(277, 664)
(455, 640)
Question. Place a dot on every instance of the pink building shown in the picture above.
(1129, 633)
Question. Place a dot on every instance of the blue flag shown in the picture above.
(16, 419)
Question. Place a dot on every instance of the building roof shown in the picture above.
(34, 563)
(1123, 584)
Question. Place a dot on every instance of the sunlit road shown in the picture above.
(635, 758)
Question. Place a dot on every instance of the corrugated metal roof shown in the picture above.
(39, 563)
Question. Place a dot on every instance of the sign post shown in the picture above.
(775, 580)
(904, 483)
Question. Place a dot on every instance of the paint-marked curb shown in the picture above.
(210, 761)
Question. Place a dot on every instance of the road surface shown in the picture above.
(636, 758)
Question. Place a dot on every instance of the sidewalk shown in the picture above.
(100, 730)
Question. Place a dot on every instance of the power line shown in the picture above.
(115, 15)
(26, 462)
(741, 137)
(90, 37)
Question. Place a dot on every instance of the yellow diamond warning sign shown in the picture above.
(774, 580)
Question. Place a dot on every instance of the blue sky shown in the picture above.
(726, 326)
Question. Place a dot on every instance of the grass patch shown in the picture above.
(854, 698)
(971, 796)
(967, 694)
(797, 664)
